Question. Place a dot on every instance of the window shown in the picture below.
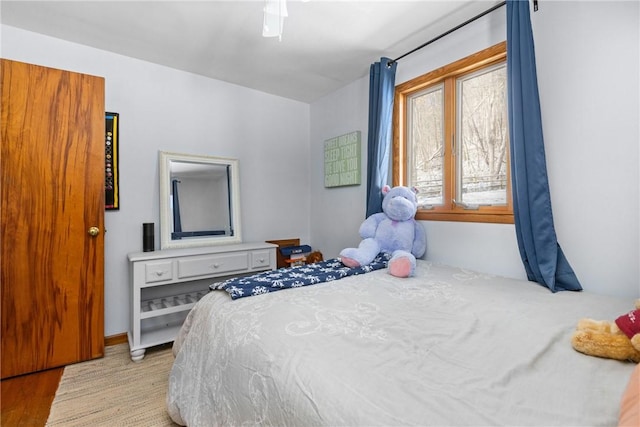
(451, 140)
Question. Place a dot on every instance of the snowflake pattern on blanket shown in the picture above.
(295, 277)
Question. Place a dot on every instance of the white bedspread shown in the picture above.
(447, 347)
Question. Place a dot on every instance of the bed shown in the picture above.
(446, 347)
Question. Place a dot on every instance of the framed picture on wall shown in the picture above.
(342, 160)
(111, 141)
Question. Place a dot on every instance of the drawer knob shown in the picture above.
(214, 266)
(160, 273)
(261, 260)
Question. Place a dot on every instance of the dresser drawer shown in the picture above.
(261, 259)
(158, 271)
(213, 265)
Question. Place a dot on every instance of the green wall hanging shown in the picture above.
(342, 160)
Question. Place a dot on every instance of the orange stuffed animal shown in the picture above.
(315, 256)
(618, 340)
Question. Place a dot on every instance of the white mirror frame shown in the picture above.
(166, 215)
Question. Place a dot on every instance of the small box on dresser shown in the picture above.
(166, 284)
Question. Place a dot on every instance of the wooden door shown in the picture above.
(51, 194)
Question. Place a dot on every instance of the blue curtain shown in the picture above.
(382, 80)
(177, 222)
(543, 259)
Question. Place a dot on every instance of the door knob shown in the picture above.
(93, 231)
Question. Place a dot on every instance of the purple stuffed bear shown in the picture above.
(394, 231)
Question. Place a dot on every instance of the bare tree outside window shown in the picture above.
(482, 136)
(427, 148)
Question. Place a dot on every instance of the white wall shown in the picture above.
(589, 77)
(165, 109)
(336, 212)
(588, 72)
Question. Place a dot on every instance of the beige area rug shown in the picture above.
(114, 391)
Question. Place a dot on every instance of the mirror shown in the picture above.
(199, 201)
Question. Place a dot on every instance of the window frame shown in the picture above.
(447, 74)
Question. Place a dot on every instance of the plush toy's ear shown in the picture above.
(635, 342)
(386, 189)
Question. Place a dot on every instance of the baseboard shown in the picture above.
(115, 339)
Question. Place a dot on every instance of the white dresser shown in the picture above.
(166, 284)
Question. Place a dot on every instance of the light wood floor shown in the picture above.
(25, 400)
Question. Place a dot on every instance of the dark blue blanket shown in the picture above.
(295, 277)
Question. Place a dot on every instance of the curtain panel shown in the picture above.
(541, 254)
(382, 80)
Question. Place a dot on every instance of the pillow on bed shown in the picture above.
(630, 405)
